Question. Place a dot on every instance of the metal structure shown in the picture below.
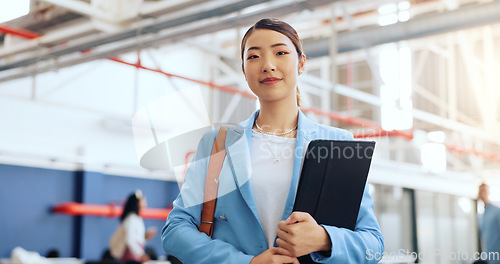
(75, 73)
(453, 65)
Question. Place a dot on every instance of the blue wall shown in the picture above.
(27, 194)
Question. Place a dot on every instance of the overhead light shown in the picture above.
(436, 136)
(404, 5)
(396, 91)
(404, 16)
(388, 9)
(433, 156)
(388, 19)
(392, 13)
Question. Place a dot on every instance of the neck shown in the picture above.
(277, 117)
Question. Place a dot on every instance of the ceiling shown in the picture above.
(67, 34)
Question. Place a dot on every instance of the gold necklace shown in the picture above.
(274, 134)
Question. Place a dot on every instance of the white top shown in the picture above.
(132, 234)
(271, 181)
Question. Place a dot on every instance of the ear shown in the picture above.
(302, 63)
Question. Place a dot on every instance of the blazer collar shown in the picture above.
(238, 142)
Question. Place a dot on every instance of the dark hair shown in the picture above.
(278, 26)
(131, 206)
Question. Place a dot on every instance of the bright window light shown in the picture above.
(436, 136)
(13, 9)
(387, 9)
(389, 19)
(404, 5)
(494, 194)
(395, 93)
(392, 13)
(465, 205)
(404, 16)
(433, 157)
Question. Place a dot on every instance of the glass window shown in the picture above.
(446, 228)
(393, 212)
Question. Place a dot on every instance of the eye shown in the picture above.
(279, 53)
(252, 57)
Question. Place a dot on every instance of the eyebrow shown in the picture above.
(272, 46)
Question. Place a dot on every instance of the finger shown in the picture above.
(281, 243)
(283, 251)
(282, 225)
(284, 245)
(298, 217)
(286, 259)
(283, 235)
(275, 250)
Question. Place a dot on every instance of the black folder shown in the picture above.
(332, 182)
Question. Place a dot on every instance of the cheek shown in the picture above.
(293, 72)
(293, 66)
(248, 71)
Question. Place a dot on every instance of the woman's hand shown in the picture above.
(150, 233)
(300, 235)
(273, 255)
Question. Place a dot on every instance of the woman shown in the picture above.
(253, 220)
(127, 243)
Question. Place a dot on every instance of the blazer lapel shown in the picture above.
(306, 131)
(238, 142)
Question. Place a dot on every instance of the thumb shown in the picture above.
(297, 217)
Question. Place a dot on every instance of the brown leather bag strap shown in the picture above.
(212, 182)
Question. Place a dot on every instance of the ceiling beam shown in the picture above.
(79, 7)
(425, 25)
(210, 21)
(173, 29)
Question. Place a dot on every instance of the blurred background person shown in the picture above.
(128, 241)
(489, 225)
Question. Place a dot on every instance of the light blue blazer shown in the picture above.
(238, 235)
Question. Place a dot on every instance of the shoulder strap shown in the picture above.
(212, 182)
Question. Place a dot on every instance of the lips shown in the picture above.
(270, 80)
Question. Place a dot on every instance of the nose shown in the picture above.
(268, 67)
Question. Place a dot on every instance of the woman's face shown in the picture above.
(271, 65)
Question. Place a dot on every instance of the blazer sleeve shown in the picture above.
(180, 235)
(363, 245)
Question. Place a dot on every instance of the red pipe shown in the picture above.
(384, 133)
(334, 116)
(19, 32)
(102, 210)
(361, 123)
(485, 155)
(348, 72)
(210, 84)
